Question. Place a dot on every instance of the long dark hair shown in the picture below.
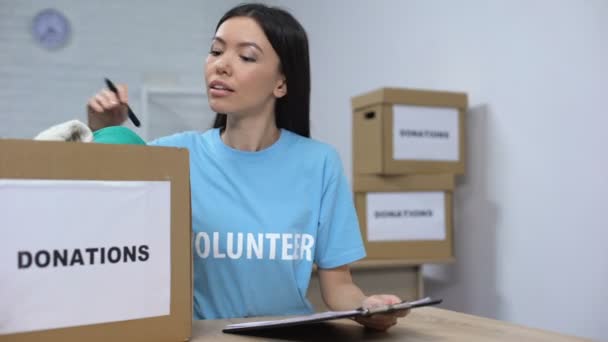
(288, 38)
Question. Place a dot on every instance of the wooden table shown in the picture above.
(423, 324)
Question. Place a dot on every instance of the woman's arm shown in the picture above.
(340, 293)
(338, 290)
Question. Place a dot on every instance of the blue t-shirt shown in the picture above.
(260, 221)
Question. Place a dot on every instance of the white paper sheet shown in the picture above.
(425, 133)
(45, 284)
(402, 216)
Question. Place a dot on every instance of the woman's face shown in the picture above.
(242, 70)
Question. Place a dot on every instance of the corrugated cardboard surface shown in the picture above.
(24, 159)
(430, 251)
(367, 139)
(407, 182)
(373, 135)
(417, 97)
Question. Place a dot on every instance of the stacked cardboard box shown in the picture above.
(408, 146)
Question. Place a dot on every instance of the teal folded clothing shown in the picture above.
(117, 135)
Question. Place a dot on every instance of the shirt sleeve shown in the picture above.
(339, 239)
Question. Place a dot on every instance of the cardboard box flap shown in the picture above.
(405, 182)
(418, 97)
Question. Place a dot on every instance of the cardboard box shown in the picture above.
(409, 182)
(409, 218)
(96, 242)
(410, 241)
(397, 131)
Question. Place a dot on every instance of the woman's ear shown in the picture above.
(281, 89)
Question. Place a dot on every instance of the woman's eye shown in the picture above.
(215, 52)
(248, 59)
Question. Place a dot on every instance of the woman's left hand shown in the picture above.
(384, 321)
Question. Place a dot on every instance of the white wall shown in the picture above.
(135, 42)
(530, 228)
(531, 231)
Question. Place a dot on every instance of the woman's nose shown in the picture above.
(222, 66)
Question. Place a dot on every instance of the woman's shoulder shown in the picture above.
(317, 150)
(313, 145)
(183, 139)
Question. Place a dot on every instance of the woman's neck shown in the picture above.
(250, 133)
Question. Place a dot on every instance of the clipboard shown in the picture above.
(328, 316)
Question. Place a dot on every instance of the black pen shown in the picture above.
(132, 116)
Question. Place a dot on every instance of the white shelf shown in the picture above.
(190, 112)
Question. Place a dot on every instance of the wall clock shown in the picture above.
(51, 29)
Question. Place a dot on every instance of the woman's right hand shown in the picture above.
(108, 109)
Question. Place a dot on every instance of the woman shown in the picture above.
(267, 201)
